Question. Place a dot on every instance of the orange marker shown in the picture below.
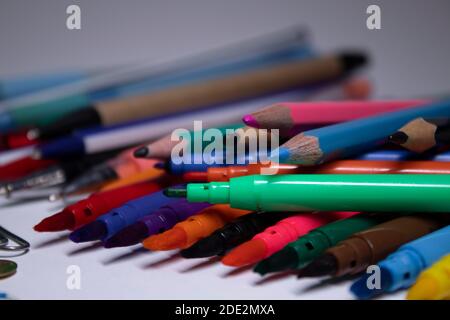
(201, 225)
(336, 167)
(146, 175)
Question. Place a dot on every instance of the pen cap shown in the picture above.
(99, 203)
(132, 211)
(401, 268)
(167, 216)
(310, 247)
(207, 221)
(367, 247)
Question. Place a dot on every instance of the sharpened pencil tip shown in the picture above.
(175, 192)
(398, 138)
(141, 152)
(250, 121)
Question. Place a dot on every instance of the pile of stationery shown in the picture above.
(293, 168)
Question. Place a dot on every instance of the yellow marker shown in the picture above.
(433, 283)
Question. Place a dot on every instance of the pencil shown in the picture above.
(422, 134)
(292, 117)
(262, 81)
(351, 138)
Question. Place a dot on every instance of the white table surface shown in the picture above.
(410, 56)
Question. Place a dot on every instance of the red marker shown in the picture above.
(87, 210)
(16, 140)
(19, 168)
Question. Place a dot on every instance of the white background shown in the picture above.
(410, 58)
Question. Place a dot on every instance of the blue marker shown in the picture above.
(12, 88)
(202, 166)
(109, 224)
(400, 269)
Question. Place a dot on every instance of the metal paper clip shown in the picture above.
(3, 240)
(21, 244)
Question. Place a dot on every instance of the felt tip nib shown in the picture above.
(175, 192)
(247, 253)
(91, 232)
(398, 138)
(424, 289)
(282, 260)
(57, 222)
(322, 266)
(175, 238)
(250, 121)
(141, 152)
(204, 248)
(127, 237)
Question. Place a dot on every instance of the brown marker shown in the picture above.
(367, 247)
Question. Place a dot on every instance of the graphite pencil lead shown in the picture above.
(398, 138)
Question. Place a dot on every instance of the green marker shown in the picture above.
(41, 114)
(328, 192)
(299, 253)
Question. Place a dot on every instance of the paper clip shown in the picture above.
(20, 244)
(3, 240)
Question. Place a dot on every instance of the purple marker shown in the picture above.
(161, 220)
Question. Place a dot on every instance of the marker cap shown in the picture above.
(402, 267)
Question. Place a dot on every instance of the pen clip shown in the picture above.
(21, 244)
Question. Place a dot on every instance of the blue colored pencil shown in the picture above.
(351, 138)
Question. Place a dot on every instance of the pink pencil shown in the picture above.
(276, 237)
(294, 117)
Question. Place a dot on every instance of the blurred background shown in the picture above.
(410, 53)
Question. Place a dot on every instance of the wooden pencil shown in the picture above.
(353, 137)
(292, 117)
(422, 134)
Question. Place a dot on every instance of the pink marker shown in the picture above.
(294, 117)
(276, 237)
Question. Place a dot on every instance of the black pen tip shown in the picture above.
(322, 266)
(204, 248)
(353, 60)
